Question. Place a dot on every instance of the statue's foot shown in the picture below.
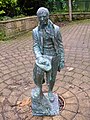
(51, 96)
(38, 92)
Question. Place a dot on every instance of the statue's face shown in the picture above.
(43, 18)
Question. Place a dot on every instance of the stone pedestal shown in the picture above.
(42, 106)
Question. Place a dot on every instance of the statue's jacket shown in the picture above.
(54, 32)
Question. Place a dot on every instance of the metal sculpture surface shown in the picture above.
(49, 53)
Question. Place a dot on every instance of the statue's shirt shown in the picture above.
(48, 45)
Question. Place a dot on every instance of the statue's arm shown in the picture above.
(36, 45)
(61, 49)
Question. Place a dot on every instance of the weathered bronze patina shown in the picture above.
(49, 53)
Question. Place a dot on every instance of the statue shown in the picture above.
(49, 53)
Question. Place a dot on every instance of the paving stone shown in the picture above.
(55, 88)
(12, 99)
(77, 75)
(72, 107)
(14, 73)
(6, 106)
(85, 103)
(12, 67)
(75, 65)
(68, 85)
(86, 73)
(61, 90)
(1, 118)
(47, 118)
(88, 92)
(85, 111)
(85, 79)
(78, 70)
(24, 109)
(26, 116)
(68, 114)
(69, 73)
(2, 65)
(4, 68)
(67, 94)
(78, 62)
(2, 98)
(27, 91)
(71, 100)
(6, 92)
(86, 63)
(6, 77)
(77, 81)
(80, 117)
(59, 77)
(6, 71)
(2, 86)
(36, 118)
(21, 71)
(9, 81)
(85, 86)
(68, 78)
(62, 72)
(82, 67)
(10, 116)
(58, 118)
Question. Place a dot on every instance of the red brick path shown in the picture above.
(16, 66)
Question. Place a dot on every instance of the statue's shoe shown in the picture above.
(51, 96)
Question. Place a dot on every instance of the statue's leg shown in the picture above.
(51, 78)
(38, 75)
(50, 86)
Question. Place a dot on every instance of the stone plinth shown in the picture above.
(42, 106)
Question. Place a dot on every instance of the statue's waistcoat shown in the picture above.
(47, 41)
(48, 45)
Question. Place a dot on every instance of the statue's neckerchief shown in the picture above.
(47, 33)
(48, 30)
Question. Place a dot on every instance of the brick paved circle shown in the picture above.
(69, 112)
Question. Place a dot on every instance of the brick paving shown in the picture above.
(16, 66)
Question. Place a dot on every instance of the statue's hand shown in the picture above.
(61, 64)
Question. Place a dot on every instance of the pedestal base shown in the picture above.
(42, 106)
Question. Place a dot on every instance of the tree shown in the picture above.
(70, 10)
(8, 7)
(29, 7)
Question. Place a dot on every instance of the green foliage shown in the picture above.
(8, 7)
(29, 7)
(2, 35)
(3, 18)
(13, 8)
(2, 11)
(62, 5)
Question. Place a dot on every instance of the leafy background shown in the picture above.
(19, 8)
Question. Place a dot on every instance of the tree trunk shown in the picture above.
(70, 10)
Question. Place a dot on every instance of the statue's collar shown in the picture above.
(50, 25)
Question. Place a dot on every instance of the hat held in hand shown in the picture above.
(44, 63)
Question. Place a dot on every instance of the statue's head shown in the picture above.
(43, 16)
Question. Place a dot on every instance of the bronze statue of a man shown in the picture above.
(49, 52)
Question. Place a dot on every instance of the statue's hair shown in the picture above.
(42, 10)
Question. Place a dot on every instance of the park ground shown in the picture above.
(72, 83)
